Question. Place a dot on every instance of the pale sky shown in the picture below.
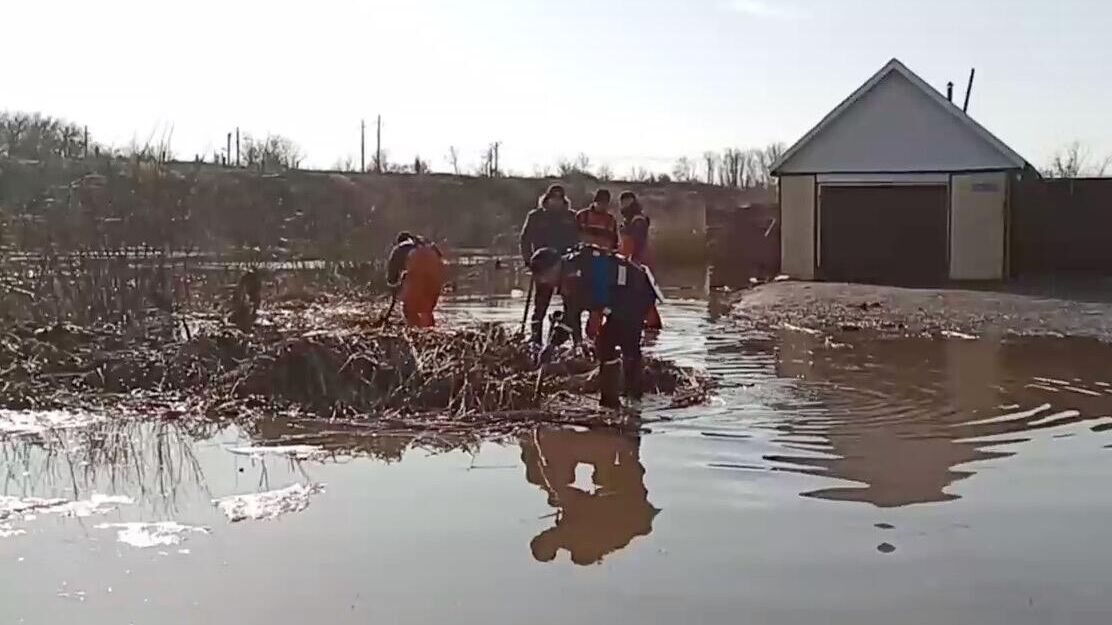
(628, 82)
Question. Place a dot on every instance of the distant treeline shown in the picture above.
(34, 136)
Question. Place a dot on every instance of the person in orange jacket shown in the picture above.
(415, 273)
(633, 243)
(597, 227)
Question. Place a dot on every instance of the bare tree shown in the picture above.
(486, 162)
(453, 159)
(604, 172)
(420, 166)
(583, 162)
(542, 171)
(37, 136)
(1075, 161)
(640, 174)
(710, 160)
(347, 163)
(581, 166)
(273, 150)
(684, 170)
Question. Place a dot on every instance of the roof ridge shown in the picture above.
(895, 65)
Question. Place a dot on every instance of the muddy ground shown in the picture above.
(836, 307)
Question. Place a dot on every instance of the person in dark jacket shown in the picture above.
(551, 225)
(596, 280)
(415, 274)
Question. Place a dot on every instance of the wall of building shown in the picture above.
(978, 205)
(797, 228)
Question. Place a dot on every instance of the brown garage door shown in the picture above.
(884, 234)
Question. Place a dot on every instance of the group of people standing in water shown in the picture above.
(596, 263)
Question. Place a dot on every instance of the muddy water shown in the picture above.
(832, 481)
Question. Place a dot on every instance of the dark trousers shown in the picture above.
(542, 297)
(624, 335)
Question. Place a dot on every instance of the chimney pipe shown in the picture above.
(968, 90)
(950, 91)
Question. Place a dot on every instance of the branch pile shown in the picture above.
(321, 359)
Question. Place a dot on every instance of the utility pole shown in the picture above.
(86, 150)
(228, 150)
(237, 148)
(362, 146)
(378, 145)
(494, 172)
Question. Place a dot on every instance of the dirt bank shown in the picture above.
(834, 307)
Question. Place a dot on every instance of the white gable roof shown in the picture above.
(893, 123)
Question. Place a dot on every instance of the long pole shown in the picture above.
(528, 302)
(228, 149)
(968, 90)
(362, 145)
(237, 146)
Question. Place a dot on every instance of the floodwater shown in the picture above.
(832, 481)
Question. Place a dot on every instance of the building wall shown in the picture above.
(895, 127)
(797, 228)
(978, 205)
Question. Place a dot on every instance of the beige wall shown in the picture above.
(797, 227)
(977, 208)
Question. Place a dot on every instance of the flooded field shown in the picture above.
(876, 481)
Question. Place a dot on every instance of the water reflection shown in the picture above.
(153, 460)
(591, 522)
(904, 419)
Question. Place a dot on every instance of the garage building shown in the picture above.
(897, 185)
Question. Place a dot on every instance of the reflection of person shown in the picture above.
(589, 525)
(415, 271)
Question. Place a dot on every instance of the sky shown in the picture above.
(626, 82)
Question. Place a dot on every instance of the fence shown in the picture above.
(743, 242)
(1061, 226)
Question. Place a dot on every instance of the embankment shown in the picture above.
(112, 204)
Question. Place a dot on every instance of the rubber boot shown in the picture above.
(610, 385)
(634, 388)
(558, 333)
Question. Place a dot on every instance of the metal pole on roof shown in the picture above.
(968, 90)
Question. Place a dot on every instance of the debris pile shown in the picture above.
(327, 359)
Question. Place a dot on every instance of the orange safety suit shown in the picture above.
(597, 227)
(634, 245)
(421, 283)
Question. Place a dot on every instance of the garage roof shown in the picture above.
(897, 123)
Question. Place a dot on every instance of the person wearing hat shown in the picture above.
(597, 227)
(620, 292)
(415, 274)
(633, 243)
(550, 225)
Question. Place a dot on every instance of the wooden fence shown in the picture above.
(1061, 226)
